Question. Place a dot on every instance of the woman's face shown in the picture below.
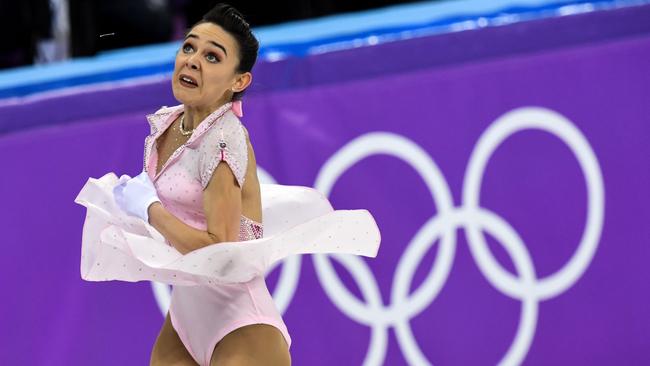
(204, 72)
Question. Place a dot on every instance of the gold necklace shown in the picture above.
(182, 129)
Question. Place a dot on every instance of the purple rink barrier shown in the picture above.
(512, 195)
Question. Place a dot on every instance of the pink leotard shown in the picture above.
(203, 315)
(217, 288)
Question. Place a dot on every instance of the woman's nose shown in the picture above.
(192, 63)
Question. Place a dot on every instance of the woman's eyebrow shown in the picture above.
(191, 35)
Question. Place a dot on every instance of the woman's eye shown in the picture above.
(187, 48)
(211, 57)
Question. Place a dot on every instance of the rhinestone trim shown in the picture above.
(249, 229)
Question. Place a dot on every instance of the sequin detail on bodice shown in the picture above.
(249, 229)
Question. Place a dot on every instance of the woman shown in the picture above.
(221, 312)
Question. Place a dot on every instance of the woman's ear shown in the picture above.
(242, 82)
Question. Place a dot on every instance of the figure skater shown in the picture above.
(195, 223)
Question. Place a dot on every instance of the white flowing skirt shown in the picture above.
(296, 220)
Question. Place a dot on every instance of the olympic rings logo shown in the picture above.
(470, 216)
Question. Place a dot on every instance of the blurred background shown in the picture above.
(502, 146)
(42, 31)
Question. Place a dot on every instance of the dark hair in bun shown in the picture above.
(232, 21)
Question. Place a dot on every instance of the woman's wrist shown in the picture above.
(151, 211)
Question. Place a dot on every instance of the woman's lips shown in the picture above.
(187, 81)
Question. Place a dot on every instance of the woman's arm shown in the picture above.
(222, 206)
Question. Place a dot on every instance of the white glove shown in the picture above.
(135, 195)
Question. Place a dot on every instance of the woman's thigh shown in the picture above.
(252, 345)
(168, 349)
